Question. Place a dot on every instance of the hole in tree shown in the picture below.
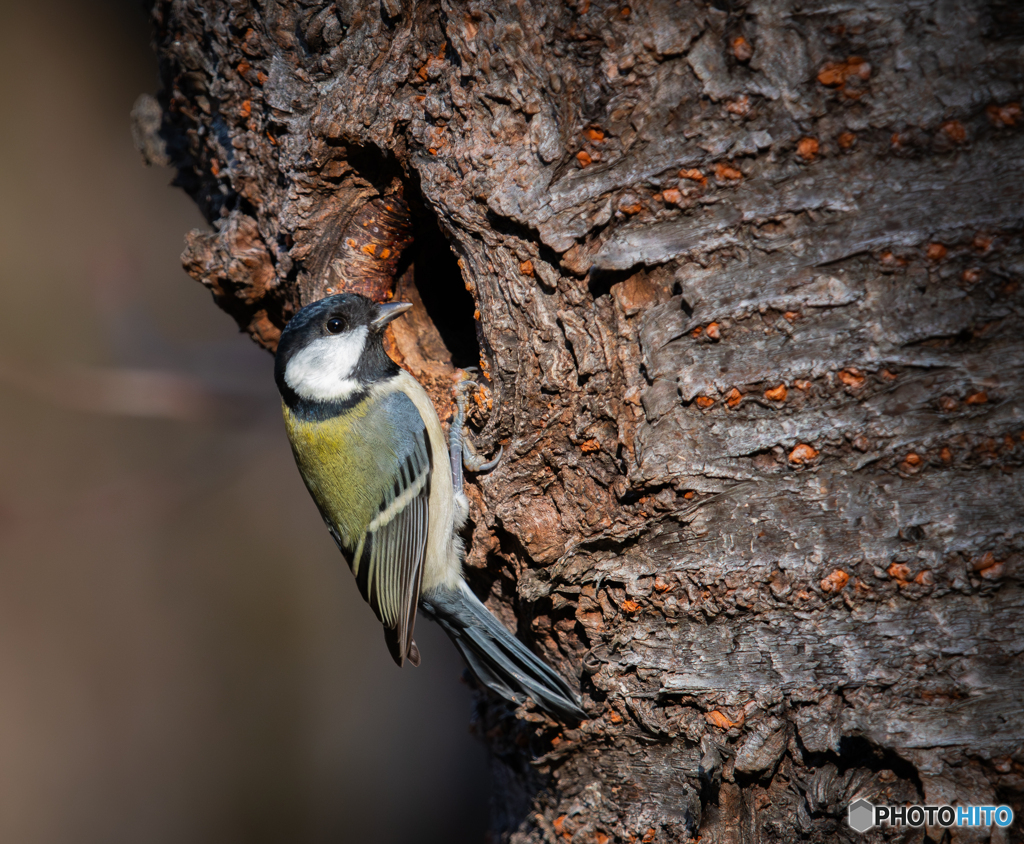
(439, 280)
(601, 281)
(442, 288)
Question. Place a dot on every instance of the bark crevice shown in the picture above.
(745, 286)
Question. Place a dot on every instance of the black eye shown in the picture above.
(335, 325)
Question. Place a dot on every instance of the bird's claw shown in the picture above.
(474, 462)
(463, 453)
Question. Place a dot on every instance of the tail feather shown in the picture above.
(497, 658)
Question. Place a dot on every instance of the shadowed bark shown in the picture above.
(745, 279)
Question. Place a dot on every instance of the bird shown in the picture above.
(371, 450)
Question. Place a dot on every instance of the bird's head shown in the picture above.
(333, 348)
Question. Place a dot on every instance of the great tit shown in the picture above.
(370, 447)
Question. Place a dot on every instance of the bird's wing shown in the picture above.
(386, 554)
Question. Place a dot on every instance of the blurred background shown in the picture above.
(183, 655)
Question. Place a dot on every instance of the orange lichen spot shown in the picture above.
(476, 315)
(741, 49)
(807, 148)
(727, 173)
(947, 404)
(243, 67)
(592, 133)
(589, 446)
(983, 562)
(925, 578)
(776, 393)
(954, 130)
(661, 585)
(583, 157)
(424, 71)
(846, 140)
(272, 139)
(704, 401)
(994, 571)
(614, 717)
(694, 176)
(740, 106)
(630, 606)
(714, 331)
(803, 386)
(889, 259)
(1004, 115)
(982, 242)
(718, 719)
(526, 267)
(261, 77)
(245, 109)
(631, 208)
(600, 838)
(625, 11)
(558, 823)
(980, 397)
(385, 253)
(688, 495)
(734, 397)
(671, 196)
(791, 316)
(946, 455)
(215, 167)
(851, 378)
(972, 275)
(899, 571)
(696, 332)
(649, 836)
(803, 453)
(835, 582)
(370, 249)
(836, 74)
(833, 74)
(351, 243)
(887, 375)
(912, 459)
(935, 252)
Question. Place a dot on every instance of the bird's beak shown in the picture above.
(388, 312)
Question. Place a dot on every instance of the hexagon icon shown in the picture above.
(861, 815)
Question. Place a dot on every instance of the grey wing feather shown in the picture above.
(388, 558)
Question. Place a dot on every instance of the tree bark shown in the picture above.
(745, 279)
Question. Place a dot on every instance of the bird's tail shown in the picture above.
(497, 658)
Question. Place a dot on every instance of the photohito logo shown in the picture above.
(863, 815)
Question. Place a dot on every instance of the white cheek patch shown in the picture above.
(323, 370)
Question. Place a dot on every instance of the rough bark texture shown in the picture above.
(747, 287)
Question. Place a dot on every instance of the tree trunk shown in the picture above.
(746, 283)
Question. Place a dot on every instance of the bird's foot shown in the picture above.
(462, 451)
